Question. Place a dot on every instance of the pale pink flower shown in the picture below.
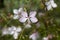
(31, 17)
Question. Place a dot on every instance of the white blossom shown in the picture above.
(15, 31)
(34, 36)
(29, 18)
(50, 4)
(17, 13)
(12, 31)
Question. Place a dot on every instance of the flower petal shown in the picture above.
(32, 14)
(15, 35)
(13, 28)
(16, 17)
(11, 31)
(24, 14)
(49, 7)
(15, 11)
(18, 29)
(54, 5)
(22, 19)
(20, 10)
(33, 19)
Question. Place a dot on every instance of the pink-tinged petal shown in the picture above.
(15, 11)
(32, 14)
(22, 19)
(24, 14)
(33, 19)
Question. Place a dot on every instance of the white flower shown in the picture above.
(50, 4)
(45, 38)
(34, 36)
(29, 18)
(17, 13)
(14, 31)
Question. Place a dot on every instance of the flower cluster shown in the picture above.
(23, 16)
(12, 31)
(50, 4)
